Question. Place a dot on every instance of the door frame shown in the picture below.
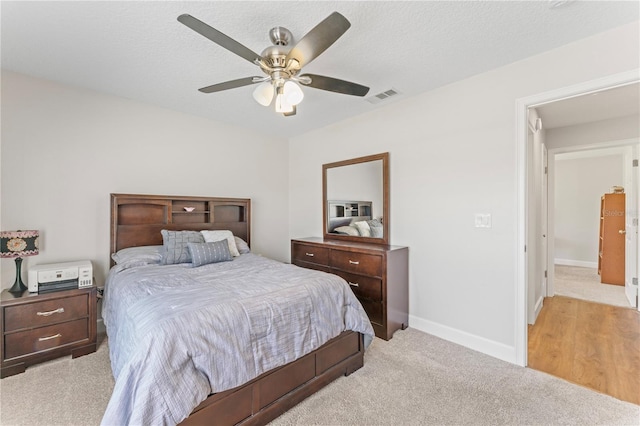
(632, 179)
(522, 195)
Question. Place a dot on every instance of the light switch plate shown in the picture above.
(483, 220)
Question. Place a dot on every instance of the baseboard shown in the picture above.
(471, 341)
(570, 262)
(538, 308)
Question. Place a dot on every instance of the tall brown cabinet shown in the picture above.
(612, 239)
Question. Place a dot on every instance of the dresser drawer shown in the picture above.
(311, 254)
(366, 287)
(43, 338)
(373, 310)
(37, 314)
(359, 263)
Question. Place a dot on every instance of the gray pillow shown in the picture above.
(138, 255)
(205, 253)
(376, 228)
(243, 247)
(175, 245)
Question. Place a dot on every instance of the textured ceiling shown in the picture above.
(138, 50)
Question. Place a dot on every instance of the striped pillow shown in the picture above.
(205, 253)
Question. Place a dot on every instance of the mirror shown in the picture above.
(355, 195)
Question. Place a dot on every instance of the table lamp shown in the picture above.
(18, 244)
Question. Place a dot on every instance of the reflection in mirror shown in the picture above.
(354, 195)
(355, 199)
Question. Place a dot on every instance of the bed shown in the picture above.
(237, 341)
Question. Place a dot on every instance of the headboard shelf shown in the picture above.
(137, 220)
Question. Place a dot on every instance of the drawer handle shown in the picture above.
(55, 311)
(354, 284)
(309, 254)
(42, 339)
(353, 262)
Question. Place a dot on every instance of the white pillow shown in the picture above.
(213, 236)
(363, 228)
(349, 230)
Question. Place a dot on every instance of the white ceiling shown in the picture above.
(607, 104)
(138, 50)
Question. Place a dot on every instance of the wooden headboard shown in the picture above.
(136, 220)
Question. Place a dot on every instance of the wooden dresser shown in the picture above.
(377, 274)
(39, 327)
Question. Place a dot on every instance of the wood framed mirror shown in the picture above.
(355, 199)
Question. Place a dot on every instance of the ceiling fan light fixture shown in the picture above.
(293, 94)
(264, 93)
(282, 105)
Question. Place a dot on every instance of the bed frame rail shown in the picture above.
(274, 392)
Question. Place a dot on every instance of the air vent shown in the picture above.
(556, 4)
(382, 96)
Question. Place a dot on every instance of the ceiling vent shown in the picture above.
(382, 96)
(556, 4)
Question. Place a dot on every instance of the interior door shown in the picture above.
(631, 228)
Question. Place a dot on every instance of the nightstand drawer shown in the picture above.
(311, 254)
(359, 263)
(367, 287)
(43, 338)
(37, 314)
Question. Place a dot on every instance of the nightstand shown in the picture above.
(39, 327)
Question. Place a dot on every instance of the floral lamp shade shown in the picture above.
(18, 244)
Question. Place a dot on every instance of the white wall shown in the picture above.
(614, 129)
(64, 150)
(579, 184)
(453, 154)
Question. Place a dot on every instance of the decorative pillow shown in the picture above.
(376, 228)
(348, 230)
(213, 236)
(138, 255)
(243, 247)
(205, 253)
(363, 228)
(175, 245)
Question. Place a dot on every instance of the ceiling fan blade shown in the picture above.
(219, 38)
(319, 39)
(231, 84)
(335, 85)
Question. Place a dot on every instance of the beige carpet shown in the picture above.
(584, 283)
(414, 379)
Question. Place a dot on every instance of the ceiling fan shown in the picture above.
(282, 62)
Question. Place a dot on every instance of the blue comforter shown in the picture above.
(178, 334)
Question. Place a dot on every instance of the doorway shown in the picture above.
(569, 330)
(580, 179)
(522, 126)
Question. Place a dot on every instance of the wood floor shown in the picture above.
(590, 344)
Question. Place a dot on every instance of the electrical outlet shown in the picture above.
(483, 220)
